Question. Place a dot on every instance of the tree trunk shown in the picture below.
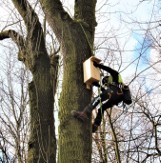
(74, 137)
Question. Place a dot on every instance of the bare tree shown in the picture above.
(33, 53)
(14, 111)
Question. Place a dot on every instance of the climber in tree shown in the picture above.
(111, 94)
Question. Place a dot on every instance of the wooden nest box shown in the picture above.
(91, 73)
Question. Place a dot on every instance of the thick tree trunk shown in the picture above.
(74, 137)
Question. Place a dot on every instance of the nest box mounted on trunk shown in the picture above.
(91, 73)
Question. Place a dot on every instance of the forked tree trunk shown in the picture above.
(76, 40)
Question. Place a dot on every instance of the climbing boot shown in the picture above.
(81, 116)
(88, 109)
(84, 115)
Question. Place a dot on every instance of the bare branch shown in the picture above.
(17, 38)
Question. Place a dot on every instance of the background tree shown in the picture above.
(33, 53)
(14, 118)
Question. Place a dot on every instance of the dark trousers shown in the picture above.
(107, 99)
